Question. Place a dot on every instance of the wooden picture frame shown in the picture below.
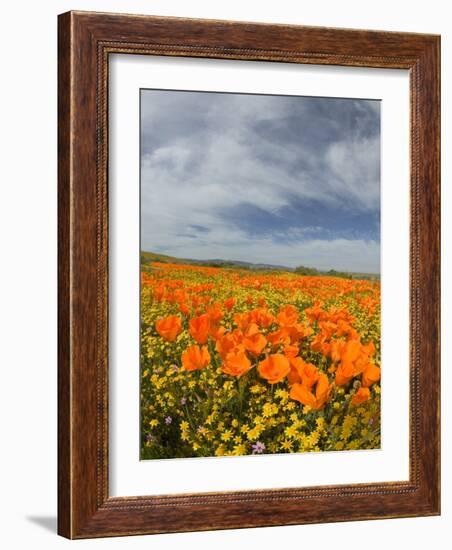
(85, 42)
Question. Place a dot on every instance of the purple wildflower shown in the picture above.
(183, 400)
(149, 438)
(168, 420)
(258, 448)
(175, 368)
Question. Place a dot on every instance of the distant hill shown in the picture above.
(154, 257)
(312, 271)
(148, 257)
(238, 263)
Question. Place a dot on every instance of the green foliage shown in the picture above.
(303, 270)
(342, 274)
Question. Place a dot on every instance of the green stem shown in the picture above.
(189, 418)
(240, 387)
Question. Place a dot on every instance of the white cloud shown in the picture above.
(356, 165)
(201, 158)
(296, 246)
(231, 244)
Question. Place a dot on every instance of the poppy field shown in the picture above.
(240, 362)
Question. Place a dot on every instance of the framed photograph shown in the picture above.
(249, 275)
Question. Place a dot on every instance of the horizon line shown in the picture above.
(262, 263)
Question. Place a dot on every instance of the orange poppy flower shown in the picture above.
(278, 337)
(317, 343)
(229, 303)
(320, 344)
(251, 330)
(325, 348)
(159, 293)
(336, 348)
(360, 364)
(179, 296)
(169, 327)
(293, 377)
(262, 317)
(322, 390)
(371, 374)
(345, 329)
(255, 343)
(328, 328)
(274, 368)
(199, 328)
(290, 351)
(309, 375)
(214, 312)
(242, 320)
(315, 312)
(354, 360)
(351, 351)
(287, 316)
(195, 358)
(362, 395)
(301, 393)
(369, 349)
(216, 331)
(299, 331)
(184, 308)
(307, 372)
(344, 373)
(228, 342)
(236, 363)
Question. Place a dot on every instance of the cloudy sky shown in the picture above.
(259, 178)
